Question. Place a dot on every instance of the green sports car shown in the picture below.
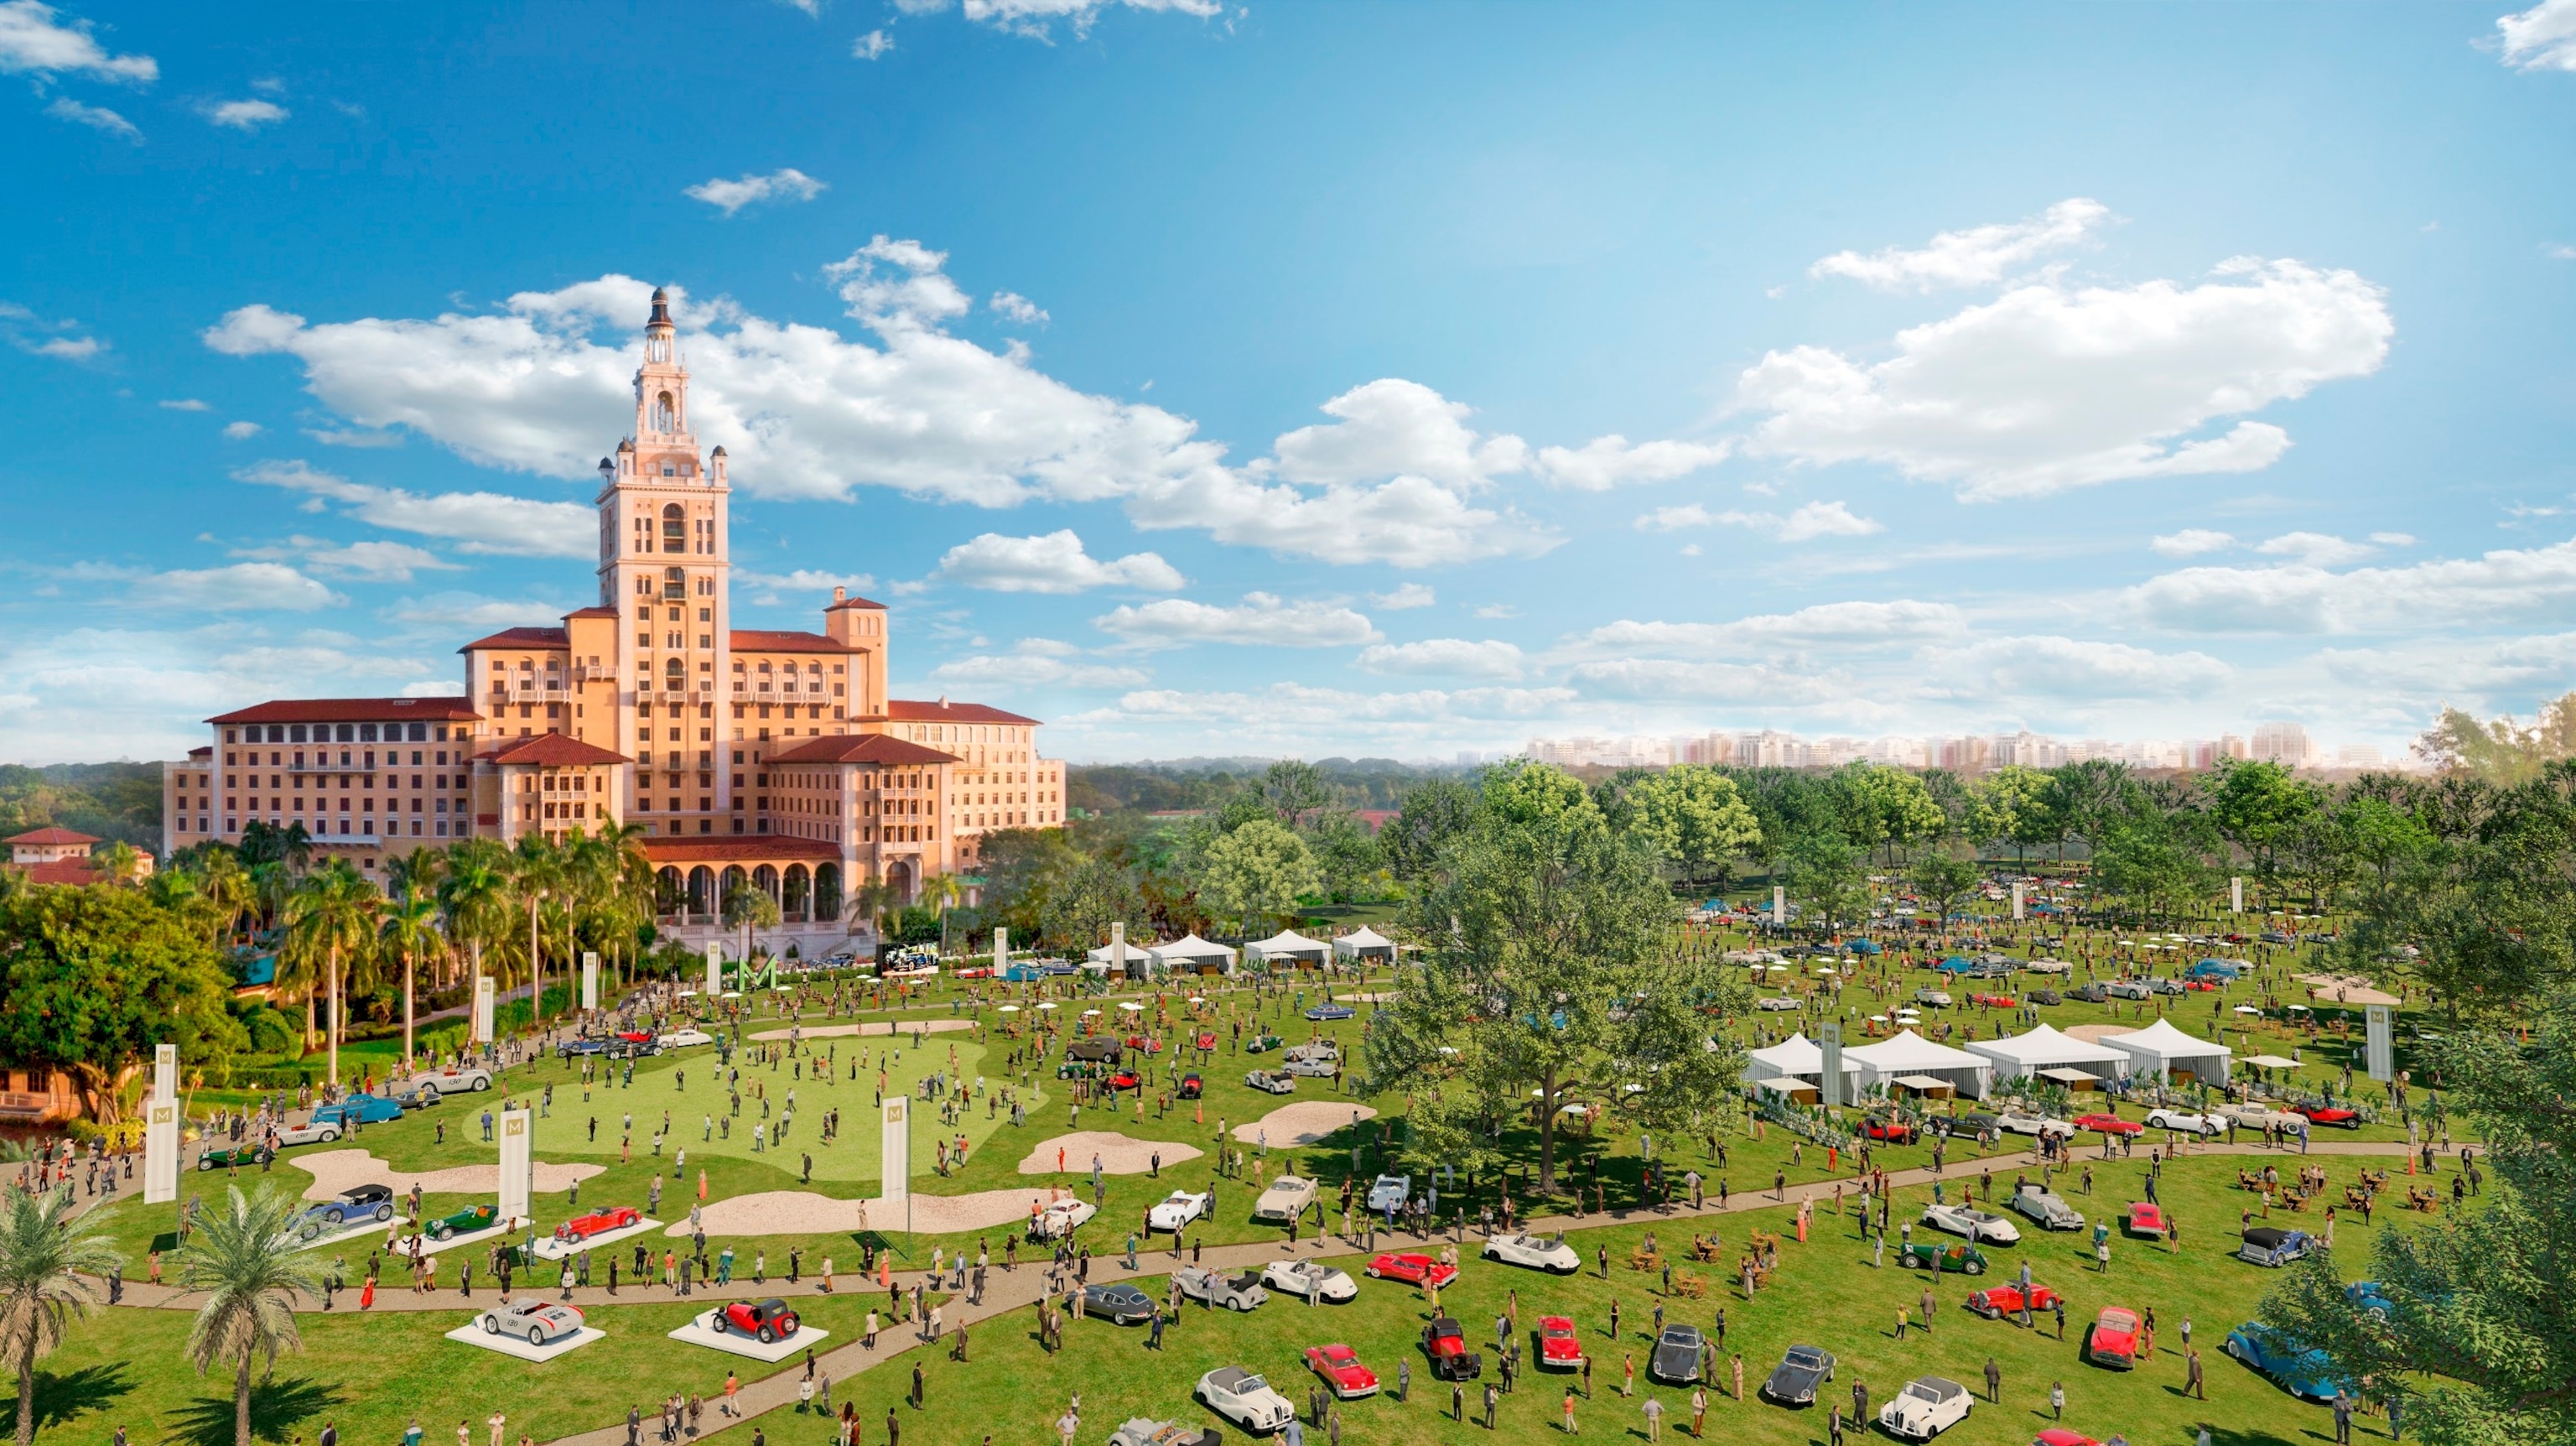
(463, 1222)
(1936, 1256)
(254, 1153)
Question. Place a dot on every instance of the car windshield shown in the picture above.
(2119, 1320)
(1250, 1384)
(1806, 1360)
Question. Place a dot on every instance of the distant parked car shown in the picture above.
(1894, 1132)
(2144, 1218)
(1061, 1219)
(1928, 1406)
(1969, 1221)
(2301, 1370)
(2113, 1340)
(2021, 1122)
(311, 1132)
(462, 1222)
(350, 1206)
(2335, 1115)
(1387, 1191)
(1245, 1399)
(2046, 996)
(1801, 1374)
(1117, 1302)
(1343, 1375)
(2189, 1122)
(2045, 1207)
(1677, 1355)
(1536, 1252)
(1935, 1256)
(1560, 1347)
(1446, 1344)
(1410, 1267)
(257, 1152)
(1192, 1087)
(1178, 1209)
(1311, 1280)
(2109, 1124)
(1269, 1083)
(2128, 989)
(1146, 1431)
(1997, 1301)
(1973, 1125)
(2263, 1245)
(1779, 1003)
(1284, 1199)
(2095, 992)
(597, 1222)
(1213, 1288)
(364, 1109)
(1324, 1012)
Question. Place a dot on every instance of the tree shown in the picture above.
(1433, 813)
(1694, 816)
(2148, 861)
(1888, 806)
(2501, 751)
(2258, 807)
(1293, 789)
(332, 916)
(92, 979)
(117, 862)
(44, 1256)
(1347, 856)
(2013, 805)
(474, 898)
(2085, 798)
(1944, 880)
(539, 871)
(1080, 908)
(410, 931)
(247, 1260)
(1259, 869)
(1829, 873)
(748, 907)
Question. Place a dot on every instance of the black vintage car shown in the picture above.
(1446, 1344)
(1118, 1302)
(1677, 1355)
(1971, 1125)
(2092, 993)
(1800, 1375)
(2046, 996)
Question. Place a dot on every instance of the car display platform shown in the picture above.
(698, 1333)
(549, 1248)
(472, 1333)
(432, 1248)
(346, 1234)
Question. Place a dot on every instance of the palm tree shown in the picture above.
(750, 907)
(475, 897)
(333, 915)
(539, 870)
(44, 1259)
(226, 885)
(410, 930)
(118, 862)
(248, 1261)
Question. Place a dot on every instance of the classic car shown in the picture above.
(1778, 1004)
(2188, 1122)
(1536, 1252)
(1973, 1125)
(597, 1222)
(764, 1321)
(358, 1202)
(576, 1048)
(1322, 1012)
(2164, 986)
(1309, 1066)
(685, 1038)
(2143, 1218)
(463, 1222)
(2226, 969)
(1240, 1291)
(1061, 1218)
(1312, 1280)
(455, 1079)
(1411, 1268)
(1560, 1347)
(1926, 1407)
(364, 1109)
(1262, 1044)
(2109, 1125)
(2047, 997)
(2113, 1340)
(2049, 966)
(2254, 1115)
(1117, 1302)
(1446, 1345)
(1285, 1197)
(1245, 1399)
(2371, 1297)
(1192, 1087)
(1206, 1042)
(2263, 1245)
(1125, 1079)
(1145, 1431)
(1098, 1049)
(1343, 1374)
(1388, 1190)
(1894, 1132)
(1993, 1001)
(2301, 1370)
(1932, 998)
(2093, 992)
(2022, 1122)
(1268, 1083)
(2060, 1436)
(2046, 1208)
(2129, 989)
(1933, 1255)
(309, 1133)
(1677, 1355)
(533, 1320)
(636, 1042)
(2335, 1115)
(255, 1152)
(1997, 1301)
(1974, 1224)
(1800, 1375)
(1178, 1209)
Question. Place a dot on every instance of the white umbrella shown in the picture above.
(2247, 1009)
(1088, 1013)
(1878, 1019)
(1138, 1008)
(1010, 1009)
(730, 994)
(1049, 1004)
(1198, 999)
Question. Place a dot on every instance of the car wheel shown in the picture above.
(481, 1085)
(1975, 1267)
(384, 1213)
(443, 1233)
(536, 1335)
(765, 1336)
(329, 1135)
(491, 1325)
(716, 1322)
(205, 1162)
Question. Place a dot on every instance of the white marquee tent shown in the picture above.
(2044, 1048)
(1909, 1053)
(2161, 1049)
(1191, 954)
(1795, 1058)
(1364, 943)
(1140, 959)
(1289, 945)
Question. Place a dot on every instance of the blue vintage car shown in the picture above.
(2263, 1245)
(2300, 1370)
(1322, 1012)
(2227, 969)
(362, 1109)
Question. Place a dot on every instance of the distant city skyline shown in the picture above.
(2287, 744)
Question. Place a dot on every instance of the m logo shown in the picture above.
(161, 1114)
(514, 1127)
(894, 1112)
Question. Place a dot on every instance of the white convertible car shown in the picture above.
(2046, 1207)
(1536, 1252)
(1926, 1407)
(1240, 1291)
(2022, 1122)
(533, 1320)
(1180, 1208)
(2186, 1121)
(1245, 1399)
(1311, 1280)
(1975, 1224)
(1061, 1219)
(1286, 1196)
(685, 1038)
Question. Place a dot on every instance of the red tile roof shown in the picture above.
(202, 751)
(354, 710)
(854, 602)
(50, 835)
(592, 613)
(551, 750)
(943, 711)
(64, 871)
(522, 638)
(748, 640)
(861, 748)
(761, 849)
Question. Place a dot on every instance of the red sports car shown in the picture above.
(2109, 1125)
(1411, 1269)
(2060, 1436)
(2144, 1219)
(1997, 1301)
(1124, 1079)
(1207, 1040)
(1558, 1345)
(1446, 1344)
(1343, 1374)
(639, 1038)
(1192, 1086)
(1892, 1131)
(2113, 1340)
(598, 1222)
(766, 1321)
(2329, 1115)
(1992, 1001)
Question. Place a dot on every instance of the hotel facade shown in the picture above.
(744, 755)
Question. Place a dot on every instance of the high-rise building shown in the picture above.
(2282, 743)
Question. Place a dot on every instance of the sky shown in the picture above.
(1314, 379)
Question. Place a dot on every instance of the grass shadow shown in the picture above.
(276, 1407)
(59, 1398)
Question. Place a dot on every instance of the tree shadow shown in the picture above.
(91, 1388)
(276, 1406)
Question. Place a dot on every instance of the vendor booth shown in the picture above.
(1910, 1054)
(2047, 1054)
(2167, 1052)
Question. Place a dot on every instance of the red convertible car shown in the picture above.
(1192, 1086)
(2109, 1125)
(1892, 1131)
(1411, 1269)
(2144, 1219)
(1997, 1301)
(1207, 1041)
(1992, 1001)
(2060, 1436)
(2113, 1341)
(2334, 1115)
(1558, 1346)
(598, 1222)
(1343, 1374)
(1446, 1344)
(1124, 1079)
(767, 1321)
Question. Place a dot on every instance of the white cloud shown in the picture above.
(1808, 522)
(269, 85)
(241, 587)
(1297, 706)
(1015, 307)
(1979, 256)
(2561, 253)
(1053, 563)
(2536, 584)
(1035, 18)
(2393, 539)
(1262, 620)
(478, 522)
(1605, 462)
(1703, 680)
(1409, 595)
(874, 45)
(184, 404)
(71, 348)
(2317, 549)
(364, 561)
(245, 115)
(785, 184)
(805, 579)
(1453, 657)
(2048, 387)
(435, 688)
(1498, 610)
(351, 437)
(239, 430)
(1674, 519)
(1857, 624)
(1038, 662)
(2192, 541)
(2540, 38)
(2046, 667)
(96, 117)
(33, 42)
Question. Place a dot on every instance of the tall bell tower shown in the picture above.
(663, 569)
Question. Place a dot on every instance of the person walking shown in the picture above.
(1994, 1380)
(2191, 1374)
(1699, 1413)
(1568, 1418)
(2057, 1400)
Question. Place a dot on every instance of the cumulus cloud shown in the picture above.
(1262, 620)
(784, 184)
(1978, 256)
(1035, 663)
(241, 587)
(1903, 620)
(2059, 667)
(1409, 595)
(2051, 387)
(2192, 541)
(2318, 549)
(1012, 306)
(478, 522)
(1605, 462)
(1711, 681)
(1053, 563)
(874, 45)
(1444, 657)
(70, 348)
(96, 117)
(2540, 38)
(244, 115)
(1808, 522)
(2501, 586)
(363, 561)
(805, 579)
(1299, 707)
(34, 41)
(183, 404)
(239, 430)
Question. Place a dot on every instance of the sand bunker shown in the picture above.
(802, 1212)
(1303, 1123)
(2344, 989)
(337, 1170)
(1119, 1155)
(871, 1026)
(2096, 1033)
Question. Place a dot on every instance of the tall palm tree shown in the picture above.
(226, 885)
(410, 930)
(538, 869)
(475, 898)
(248, 1261)
(44, 1256)
(333, 915)
(118, 862)
(749, 907)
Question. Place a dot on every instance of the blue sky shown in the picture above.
(1319, 379)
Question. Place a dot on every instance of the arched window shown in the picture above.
(675, 529)
(666, 413)
(675, 584)
(677, 672)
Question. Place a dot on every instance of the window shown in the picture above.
(666, 413)
(675, 534)
(675, 583)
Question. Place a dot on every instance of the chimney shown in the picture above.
(840, 594)
(943, 700)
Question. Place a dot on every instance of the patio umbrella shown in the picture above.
(2247, 1009)
(1138, 1008)
(1049, 1004)
(1088, 1013)
(1010, 1009)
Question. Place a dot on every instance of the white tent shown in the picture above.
(1289, 945)
(1140, 959)
(1796, 1058)
(2044, 1048)
(1909, 1053)
(2161, 1049)
(1364, 943)
(1191, 954)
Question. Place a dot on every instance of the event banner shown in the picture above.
(589, 980)
(161, 1128)
(483, 1010)
(894, 1149)
(518, 1165)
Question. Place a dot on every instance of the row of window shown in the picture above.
(341, 733)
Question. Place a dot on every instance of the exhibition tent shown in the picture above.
(2161, 1049)
(1140, 959)
(1364, 943)
(1908, 1053)
(1796, 1058)
(1288, 944)
(2044, 1048)
(1193, 955)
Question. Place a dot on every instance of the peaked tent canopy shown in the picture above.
(2160, 1049)
(1364, 943)
(1908, 1053)
(1289, 944)
(1194, 954)
(1796, 1057)
(2045, 1048)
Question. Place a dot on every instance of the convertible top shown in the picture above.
(1937, 1388)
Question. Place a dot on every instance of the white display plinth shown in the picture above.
(473, 1334)
(698, 1333)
